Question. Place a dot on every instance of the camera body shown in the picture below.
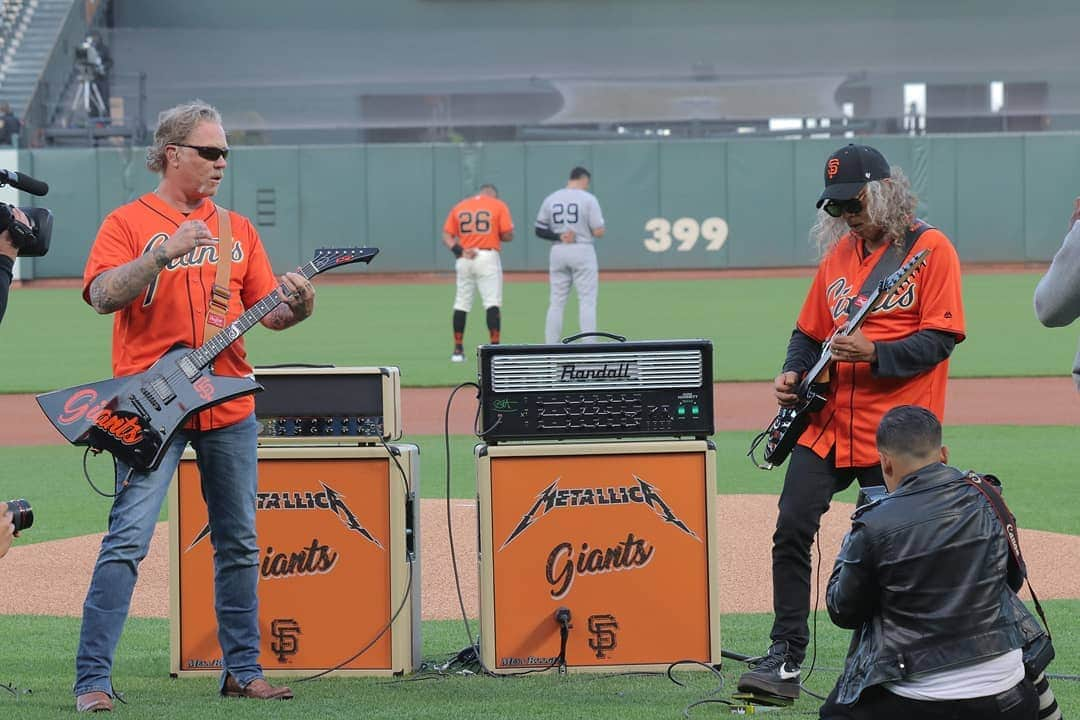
(22, 515)
(31, 240)
(870, 494)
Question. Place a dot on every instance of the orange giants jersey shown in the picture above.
(173, 307)
(478, 221)
(857, 399)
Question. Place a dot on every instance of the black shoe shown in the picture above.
(775, 673)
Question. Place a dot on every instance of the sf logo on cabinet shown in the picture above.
(602, 637)
(285, 638)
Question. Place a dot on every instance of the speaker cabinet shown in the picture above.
(619, 534)
(338, 563)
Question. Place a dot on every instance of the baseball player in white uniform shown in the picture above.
(571, 219)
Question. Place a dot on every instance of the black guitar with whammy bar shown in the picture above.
(790, 422)
(135, 417)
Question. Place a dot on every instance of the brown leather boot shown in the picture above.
(94, 702)
(257, 689)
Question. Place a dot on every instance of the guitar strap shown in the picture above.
(892, 258)
(219, 294)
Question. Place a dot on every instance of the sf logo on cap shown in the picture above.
(833, 167)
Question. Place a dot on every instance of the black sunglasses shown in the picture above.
(207, 152)
(836, 208)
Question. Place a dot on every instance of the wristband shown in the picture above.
(457, 250)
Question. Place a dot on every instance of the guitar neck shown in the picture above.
(229, 334)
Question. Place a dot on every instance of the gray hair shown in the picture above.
(890, 205)
(174, 125)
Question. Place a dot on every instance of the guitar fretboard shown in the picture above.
(205, 354)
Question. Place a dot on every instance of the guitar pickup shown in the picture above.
(162, 389)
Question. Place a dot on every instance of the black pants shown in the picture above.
(876, 703)
(809, 485)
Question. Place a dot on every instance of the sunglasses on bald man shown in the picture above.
(207, 152)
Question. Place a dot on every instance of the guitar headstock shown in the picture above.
(327, 258)
(905, 273)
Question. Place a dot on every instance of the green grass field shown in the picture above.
(42, 662)
(51, 339)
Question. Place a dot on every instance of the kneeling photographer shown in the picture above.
(928, 579)
(23, 231)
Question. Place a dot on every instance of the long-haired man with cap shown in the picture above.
(866, 229)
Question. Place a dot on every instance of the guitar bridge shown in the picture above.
(149, 398)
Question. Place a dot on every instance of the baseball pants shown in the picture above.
(572, 264)
(483, 273)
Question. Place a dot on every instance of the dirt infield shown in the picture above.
(61, 569)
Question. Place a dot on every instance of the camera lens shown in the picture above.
(22, 515)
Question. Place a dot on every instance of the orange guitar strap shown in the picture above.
(219, 295)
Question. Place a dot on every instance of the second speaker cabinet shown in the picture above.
(621, 535)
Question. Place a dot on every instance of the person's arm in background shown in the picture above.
(596, 219)
(1057, 296)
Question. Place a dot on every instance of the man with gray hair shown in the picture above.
(571, 219)
(154, 265)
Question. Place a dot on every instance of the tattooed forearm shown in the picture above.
(114, 289)
(280, 318)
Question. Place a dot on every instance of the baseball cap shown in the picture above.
(849, 168)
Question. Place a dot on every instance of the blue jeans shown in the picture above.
(227, 460)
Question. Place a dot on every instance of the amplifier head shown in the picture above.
(632, 389)
(328, 405)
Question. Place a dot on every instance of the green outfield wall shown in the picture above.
(668, 204)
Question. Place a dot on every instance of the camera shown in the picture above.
(22, 515)
(870, 494)
(30, 240)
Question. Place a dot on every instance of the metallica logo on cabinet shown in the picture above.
(338, 545)
(621, 534)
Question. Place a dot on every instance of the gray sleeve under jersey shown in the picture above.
(571, 209)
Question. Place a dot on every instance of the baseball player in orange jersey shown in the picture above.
(474, 232)
(866, 229)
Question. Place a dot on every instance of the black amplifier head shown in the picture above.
(653, 388)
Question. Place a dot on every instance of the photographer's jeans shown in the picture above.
(227, 460)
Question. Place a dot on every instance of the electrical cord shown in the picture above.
(86, 474)
(473, 647)
(405, 596)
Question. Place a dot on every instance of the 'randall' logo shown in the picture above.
(315, 559)
(606, 371)
(562, 568)
(328, 499)
(286, 634)
(643, 493)
(603, 640)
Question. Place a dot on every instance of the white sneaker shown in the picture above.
(457, 357)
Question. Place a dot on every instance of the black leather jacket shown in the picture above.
(925, 579)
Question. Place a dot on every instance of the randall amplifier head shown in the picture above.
(660, 388)
(328, 405)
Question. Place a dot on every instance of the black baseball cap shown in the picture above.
(849, 168)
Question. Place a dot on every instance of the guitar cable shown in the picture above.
(405, 595)
(86, 474)
(562, 615)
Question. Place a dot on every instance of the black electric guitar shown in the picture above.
(790, 422)
(135, 417)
